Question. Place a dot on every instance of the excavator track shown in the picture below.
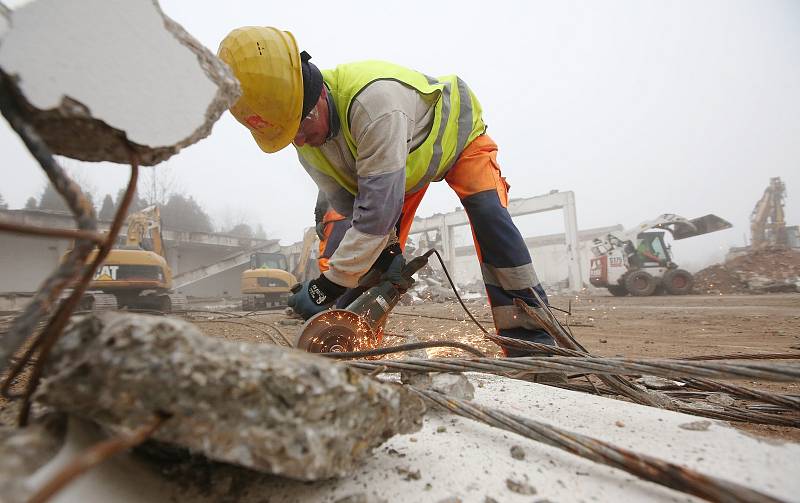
(248, 302)
(97, 301)
(177, 302)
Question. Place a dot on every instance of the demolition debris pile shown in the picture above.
(757, 271)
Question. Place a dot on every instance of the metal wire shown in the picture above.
(247, 317)
(608, 366)
(406, 347)
(645, 467)
(564, 338)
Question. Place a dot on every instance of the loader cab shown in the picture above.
(264, 260)
(650, 250)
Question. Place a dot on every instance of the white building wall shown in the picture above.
(26, 261)
(550, 262)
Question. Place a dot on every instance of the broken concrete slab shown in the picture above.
(25, 450)
(481, 455)
(455, 385)
(94, 72)
(659, 383)
(269, 408)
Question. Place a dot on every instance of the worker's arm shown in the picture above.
(382, 130)
(338, 198)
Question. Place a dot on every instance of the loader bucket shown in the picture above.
(702, 225)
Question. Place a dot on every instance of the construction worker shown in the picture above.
(373, 135)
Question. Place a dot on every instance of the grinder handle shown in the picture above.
(417, 263)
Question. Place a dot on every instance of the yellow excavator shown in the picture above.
(266, 282)
(135, 275)
(767, 222)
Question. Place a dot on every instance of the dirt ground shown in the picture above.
(661, 326)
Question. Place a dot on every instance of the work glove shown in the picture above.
(314, 296)
(394, 274)
(390, 263)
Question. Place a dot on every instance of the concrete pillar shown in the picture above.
(574, 259)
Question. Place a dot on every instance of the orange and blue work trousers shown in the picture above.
(505, 261)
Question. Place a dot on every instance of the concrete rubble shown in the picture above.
(754, 271)
(455, 459)
(23, 451)
(260, 406)
(94, 72)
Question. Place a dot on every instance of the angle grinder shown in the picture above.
(360, 325)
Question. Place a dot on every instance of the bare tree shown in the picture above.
(157, 184)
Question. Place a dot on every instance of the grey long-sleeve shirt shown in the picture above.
(387, 121)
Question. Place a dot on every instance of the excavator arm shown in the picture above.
(678, 226)
(767, 223)
(143, 223)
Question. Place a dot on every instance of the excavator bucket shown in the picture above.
(700, 225)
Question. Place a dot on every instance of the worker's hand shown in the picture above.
(394, 274)
(314, 296)
(380, 266)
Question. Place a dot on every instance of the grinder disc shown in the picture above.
(335, 331)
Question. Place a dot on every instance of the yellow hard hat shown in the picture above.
(267, 63)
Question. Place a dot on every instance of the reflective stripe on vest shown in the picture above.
(450, 132)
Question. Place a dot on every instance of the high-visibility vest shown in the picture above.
(457, 120)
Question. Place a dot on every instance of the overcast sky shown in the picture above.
(639, 107)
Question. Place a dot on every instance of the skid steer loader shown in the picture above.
(639, 262)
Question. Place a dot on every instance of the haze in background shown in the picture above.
(640, 108)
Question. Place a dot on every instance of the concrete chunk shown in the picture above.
(91, 72)
(25, 450)
(268, 408)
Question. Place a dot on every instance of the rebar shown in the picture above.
(55, 326)
(787, 401)
(673, 476)
(246, 317)
(406, 347)
(48, 293)
(602, 366)
(563, 337)
(52, 232)
(95, 455)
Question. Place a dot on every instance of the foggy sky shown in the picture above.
(639, 107)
